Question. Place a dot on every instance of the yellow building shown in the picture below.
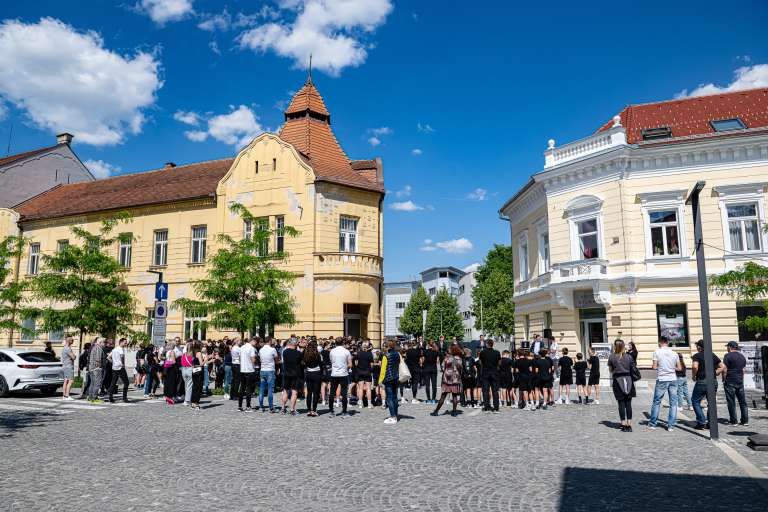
(602, 237)
(300, 177)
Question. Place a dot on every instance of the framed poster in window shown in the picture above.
(672, 322)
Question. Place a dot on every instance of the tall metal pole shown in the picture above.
(709, 369)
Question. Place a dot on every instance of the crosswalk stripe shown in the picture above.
(61, 404)
(9, 407)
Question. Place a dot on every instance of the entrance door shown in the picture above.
(593, 331)
(352, 325)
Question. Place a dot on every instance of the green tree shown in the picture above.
(492, 304)
(443, 317)
(748, 284)
(411, 323)
(84, 286)
(11, 290)
(244, 290)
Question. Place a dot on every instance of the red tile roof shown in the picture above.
(308, 98)
(184, 182)
(12, 158)
(691, 116)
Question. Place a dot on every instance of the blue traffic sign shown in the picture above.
(161, 291)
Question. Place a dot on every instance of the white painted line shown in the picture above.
(22, 408)
(61, 405)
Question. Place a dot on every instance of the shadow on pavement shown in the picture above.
(627, 491)
(12, 422)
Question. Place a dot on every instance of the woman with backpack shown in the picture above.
(390, 377)
(620, 364)
(451, 381)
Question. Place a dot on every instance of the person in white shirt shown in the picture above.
(341, 362)
(234, 392)
(666, 363)
(118, 370)
(247, 374)
(268, 359)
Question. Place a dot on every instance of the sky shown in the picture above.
(457, 98)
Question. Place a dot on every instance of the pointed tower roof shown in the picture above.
(308, 128)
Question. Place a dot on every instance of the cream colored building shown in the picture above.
(300, 177)
(602, 237)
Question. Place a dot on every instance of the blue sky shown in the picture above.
(458, 98)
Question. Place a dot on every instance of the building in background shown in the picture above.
(458, 283)
(300, 177)
(602, 237)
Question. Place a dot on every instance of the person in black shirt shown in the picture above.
(291, 373)
(581, 375)
(468, 379)
(489, 364)
(700, 383)
(566, 376)
(429, 371)
(506, 379)
(542, 393)
(325, 386)
(364, 366)
(594, 376)
(735, 367)
(413, 359)
(312, 363)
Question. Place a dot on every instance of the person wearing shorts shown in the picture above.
(363, 364)
(468, 379)
(292, 381)
(594, 376)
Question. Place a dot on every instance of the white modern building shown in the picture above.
(466, 285)
(396, 297)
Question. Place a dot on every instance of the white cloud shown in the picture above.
(214, 46)
(163, 11)
(416, 152)
(214, 22)
(406, 206)
(455, 246)
(101, 169)
(191, 118)
(479, 194)
(66, 80)
(374, 141)
(332, 31)
(237, 128)
(384, 130)
(472, 268)
(405, 191)
(746, 77)
(424, 128)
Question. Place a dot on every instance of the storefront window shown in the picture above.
(672, 322)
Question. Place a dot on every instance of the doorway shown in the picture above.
(356, 320)
(594, 327)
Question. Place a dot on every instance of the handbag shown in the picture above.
(404, 374)
(634, 372)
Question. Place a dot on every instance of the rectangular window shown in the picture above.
(274, 164)
(400, 305)
(744, 311)
(56, 336)
(279, 233)
(347, 234)
(125, 250)
(523, 259)
(194, 327)
(665, 235)
(61, 245)
(160, 257)
(442, 274)
(247, 229)
(672, 322)
(199, 235)
(28, 330)
(262, 225)
(724, 125)
(34, 259)
(743, 227)
(588, 238)
(432, 291)
(397, 322)
(544, 253)
(461, 290)
(256, 167)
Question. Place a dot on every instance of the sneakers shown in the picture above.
(744, 423)
(248, 409)
(68, 398)
(370, 406)
(415, 401)
(597, 402)
(390, 421)
(96, 401)
(226, 396)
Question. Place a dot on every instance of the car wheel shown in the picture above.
(49, 390)
(3, 388)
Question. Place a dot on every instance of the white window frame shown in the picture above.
(544, 249)
(279, 233)
(523, 265)
(194, 326)
(742, 230)
(741, 194)
(33, 265)
(659, 201)
(262, 224)
(61, 245)
(125, 252)
(348, 239)
(160, 259)
(577, 210)
(198, 244)
(247, 229)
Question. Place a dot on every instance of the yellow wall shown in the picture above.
(325, 279)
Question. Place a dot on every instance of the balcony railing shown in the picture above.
(533, 283)
(348, 264)
(612, 137)
(580, 269)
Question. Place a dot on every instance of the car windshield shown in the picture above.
(38, 357)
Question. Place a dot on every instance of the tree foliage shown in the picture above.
(411, 323)
(748, 284)
(11, 290)
(492, 304)
(244, 290)
(85, 288)
(443, 317)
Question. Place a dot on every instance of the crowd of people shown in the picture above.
(273, 376)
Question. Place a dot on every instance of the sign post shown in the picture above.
(160, 311)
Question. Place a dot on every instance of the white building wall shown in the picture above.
(466, 285)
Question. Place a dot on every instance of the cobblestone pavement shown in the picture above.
(148, 456)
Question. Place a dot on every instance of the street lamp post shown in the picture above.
(709, 369)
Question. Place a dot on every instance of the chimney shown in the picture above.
(170, 165)
(64, 138)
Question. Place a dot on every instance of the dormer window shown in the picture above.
(725, 125)
(660, 132)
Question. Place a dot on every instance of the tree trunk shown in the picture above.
(79, 352)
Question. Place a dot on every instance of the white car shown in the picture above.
(29, 369)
